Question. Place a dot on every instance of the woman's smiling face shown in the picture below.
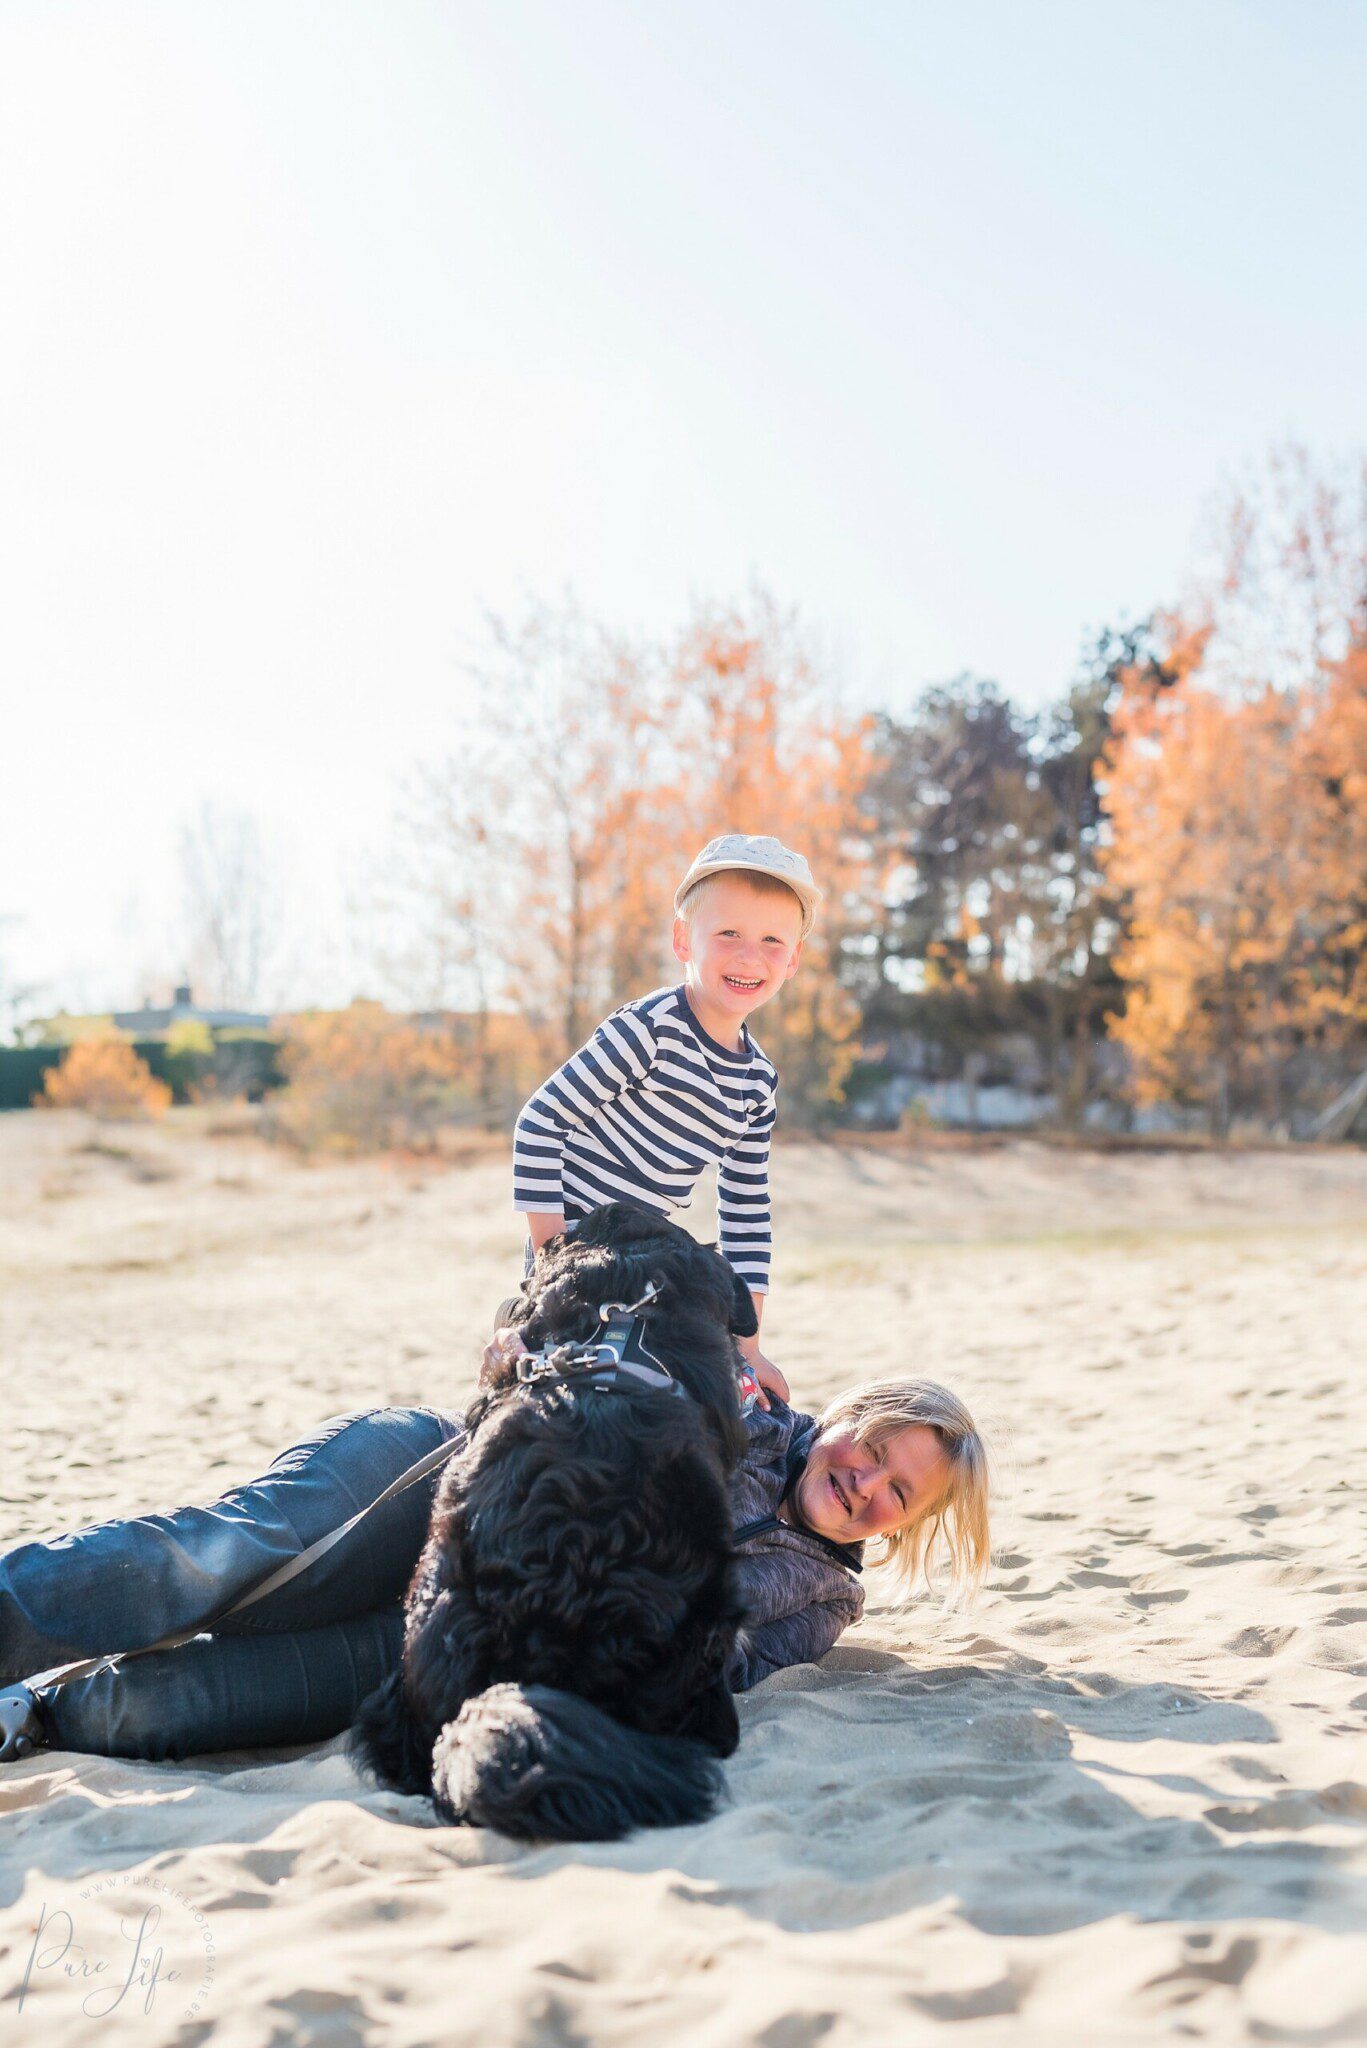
(850, 1491)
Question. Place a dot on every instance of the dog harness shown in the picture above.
(617, 1361)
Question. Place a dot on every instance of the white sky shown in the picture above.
(322, 327)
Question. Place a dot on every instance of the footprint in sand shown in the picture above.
(1252, 1767)
(1205, 1962)
(794, 2030)
(1339, 1804)
(317, 2014)
(1033, 1733)
(1259, 1642)
(987, 2001)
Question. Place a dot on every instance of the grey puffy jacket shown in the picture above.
(800, 1591)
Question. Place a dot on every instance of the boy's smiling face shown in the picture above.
(740, 944)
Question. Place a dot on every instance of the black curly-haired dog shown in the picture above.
(570, 1620)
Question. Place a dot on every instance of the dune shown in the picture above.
(1120, 1800)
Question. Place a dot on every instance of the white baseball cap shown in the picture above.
(756, 856)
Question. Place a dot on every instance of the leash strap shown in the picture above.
(293, 1568)
(619, 1355)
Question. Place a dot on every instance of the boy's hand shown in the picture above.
(771, 1380)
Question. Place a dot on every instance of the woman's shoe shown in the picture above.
(21, 1724)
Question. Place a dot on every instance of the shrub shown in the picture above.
(105, 1076)
(245, 1068)
(187, 1058)
(361, 1080)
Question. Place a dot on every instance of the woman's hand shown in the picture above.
(503, 1347)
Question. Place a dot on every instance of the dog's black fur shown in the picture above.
(572, 1615)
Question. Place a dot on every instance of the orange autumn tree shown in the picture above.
(765, 747)
(561, 785)
(103, 1074)
(1329, 962)
(363, 1079)
(1237, 809)
(519, 878)
(594, 768)
(1235, 823)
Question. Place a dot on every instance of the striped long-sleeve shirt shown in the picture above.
(640, 1111)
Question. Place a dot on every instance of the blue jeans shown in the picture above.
(292, 1668)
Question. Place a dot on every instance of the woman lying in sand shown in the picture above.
(897, 1462)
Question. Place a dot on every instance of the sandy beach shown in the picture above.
(1121, 1801)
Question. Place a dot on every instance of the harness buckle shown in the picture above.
(617, 1360)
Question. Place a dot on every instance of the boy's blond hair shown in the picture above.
(759, 885)
(956, 1524)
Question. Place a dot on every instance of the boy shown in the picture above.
(673, 1082)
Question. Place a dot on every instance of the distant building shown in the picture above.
(153, 1023)
(146, 1025)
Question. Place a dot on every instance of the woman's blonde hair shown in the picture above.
(957, 1523)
